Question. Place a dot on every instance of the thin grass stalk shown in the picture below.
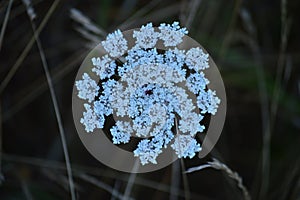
(230, 28)
(26, 190)
(186, 186)
(285, 29)
(194, 5)
(55, 105)
(86, 22)
(102, 185)
(131, 180)
(58, 116)
(115, 190)
(5, 22)
(58, 178)
(216, 164)
(175, 180)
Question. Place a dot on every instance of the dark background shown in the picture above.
(255, 44)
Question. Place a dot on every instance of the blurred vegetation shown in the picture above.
(255, 44)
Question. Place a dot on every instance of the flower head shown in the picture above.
(90, 120)
(146, 37)
(196, 59)
(121, 132)
(196, 82)
(208, 102)
(149, 93)
(104, 67)
(148, 151)
(87, 88)
(115, 44)
(171, 34)
(185, 146)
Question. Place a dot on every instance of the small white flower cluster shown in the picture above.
(208, 102)
(104, 67)
(121, 132)
(185, 146)
(115, 44)
(90, 119)
(87, 88)
(150, 92)
(147, 151)
(196, 59)
(146, 37)
(171, 34)
(197, 82)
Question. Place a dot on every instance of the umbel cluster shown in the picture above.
(151, 88)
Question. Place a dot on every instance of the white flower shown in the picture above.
(146, 37)
(208, 102)
(141, 130)
(87, 88)
(185, 146)
(196, 82)
(149, 89)
(104, 67)
(158, 113)
(176, 59)
(102, 107)
(115, 44)
(196, 59)
(151, 106)
(190, 123)
(171, 34)
(119, 100)
(163, 138)
(121, 132)
(147, 152)
(90, 120)
(186, 105)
